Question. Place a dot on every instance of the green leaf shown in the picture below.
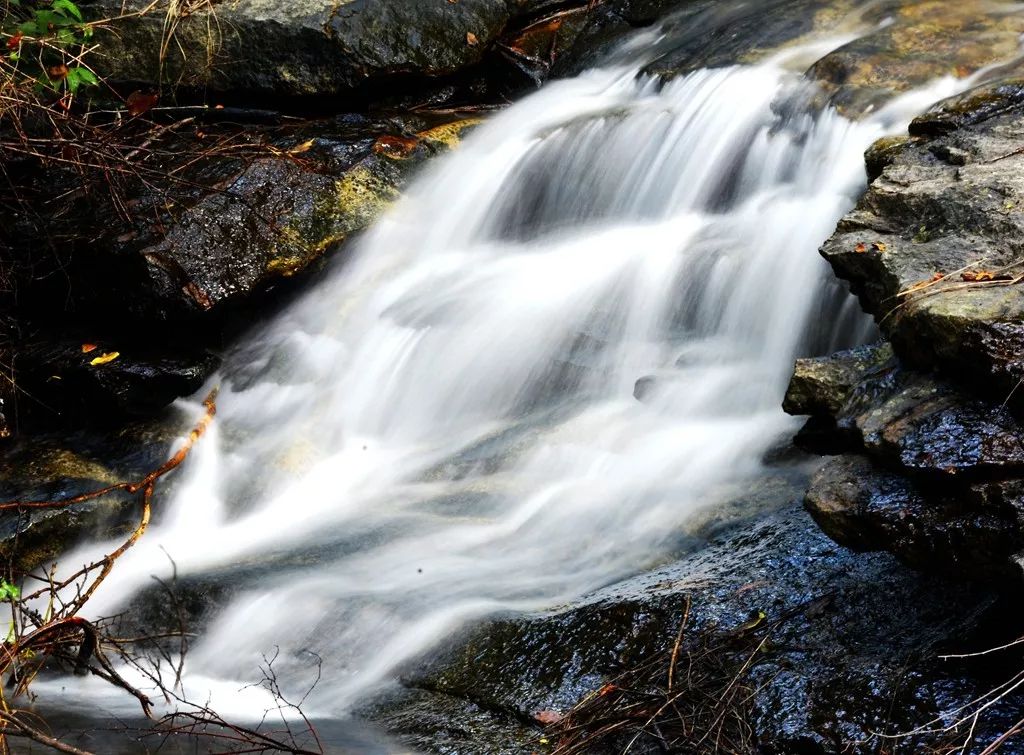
(73, 79)
(86, 76)
(9, 591)
(67, 7)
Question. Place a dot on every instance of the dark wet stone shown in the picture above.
(956, 529)
(194, 261)
(315, 48)
(447, 725)
(928, 428)
(822, 386)
(834, 674)
(65, 385)
(975, 106)
(56, 468)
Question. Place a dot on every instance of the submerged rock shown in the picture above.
(914, 44)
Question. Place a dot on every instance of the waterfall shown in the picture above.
(572, 335)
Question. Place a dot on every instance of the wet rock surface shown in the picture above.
(842, 667)
(932, 251)
(319, 48)
(60, 467)
(163, 289)
(914, 44)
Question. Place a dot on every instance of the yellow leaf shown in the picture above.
(880, 246)
(110, 356)
(304, 147)
(471, 39)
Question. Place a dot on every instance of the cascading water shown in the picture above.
(448, 427)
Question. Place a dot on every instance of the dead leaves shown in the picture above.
(106, 358)
(395, 146)
(982, 276)
(878, 246)
(548, 717)
(140, 103)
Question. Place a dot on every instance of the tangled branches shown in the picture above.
(695, 698)
(47, 630)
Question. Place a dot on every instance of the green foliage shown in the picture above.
(45, 44)
(9, 592)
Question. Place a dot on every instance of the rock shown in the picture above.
(833, 675)
(823, 385)
(278, 216)
(196, 254)
(66, 387)
(918, 43)
(306, 48)
(58, 467)
(937, 475)
(956, 530)
(944, 212)
(438, 723)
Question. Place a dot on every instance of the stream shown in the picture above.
(569, 339)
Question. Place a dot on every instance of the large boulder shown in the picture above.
(934, 248)
(211, 236)
(927, 470)
(304, 48)
(833, 674)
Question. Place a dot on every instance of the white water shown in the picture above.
(447, 427)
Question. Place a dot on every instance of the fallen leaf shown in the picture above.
(471, 39)
(606, 690)
(87, 347)
(547, 717)
(860, 248)
(14, 41)
(937, 277)
(140, 102)
(755, 621)
(880, 246)
(981, 276)
(395, 146)
(107, 358)
(301, 148)
(978, 277)
(57, 72)
(917, 286)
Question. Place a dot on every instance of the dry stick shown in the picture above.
(1004, 738)
(29, 732)
(679, 640)
(1007, 646)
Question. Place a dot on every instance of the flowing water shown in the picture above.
(449, 426)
